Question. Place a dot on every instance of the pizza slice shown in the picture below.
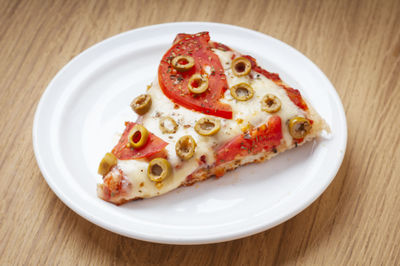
(209, 111)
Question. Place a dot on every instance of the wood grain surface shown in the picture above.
(356, 43)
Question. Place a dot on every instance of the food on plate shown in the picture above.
(242, 92)
(141, 104)
(185, 147)
(209, 110)
(158, 169)
(207, 126)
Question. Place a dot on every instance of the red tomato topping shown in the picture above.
(180, 36)
(295, 97)
(265, 137)
(154, 145)
(220, 46)
(174, 84)
(293, 94)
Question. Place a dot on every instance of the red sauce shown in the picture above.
(265, 137)
(153, 146)
(293, 94)
(174, 84)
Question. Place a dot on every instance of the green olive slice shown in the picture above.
(270, 103)
(168, 125)
(207, 126)
(158, 169)
(242, 92)
(299, 127)
(185, 147)
(109, 161)
(241, 66)
(141, 104)
(198, 83)
(138, 136)
(182, 63)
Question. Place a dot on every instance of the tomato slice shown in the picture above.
(174, 84)
(293, 94)
(180, 36)
(220, 46)
(265, 137)
(154, 145)
(295, 97)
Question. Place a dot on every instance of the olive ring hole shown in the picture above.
(185, 146)
(156, 170)
(240, 67)
(136, 136)
(196, 82)
(183, 61)
(242, 92)
(207, 125)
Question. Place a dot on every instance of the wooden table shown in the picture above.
(356, 43)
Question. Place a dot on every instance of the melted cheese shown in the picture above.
(246, 112)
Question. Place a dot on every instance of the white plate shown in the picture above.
(88, 101)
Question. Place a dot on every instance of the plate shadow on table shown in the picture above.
(282, 244)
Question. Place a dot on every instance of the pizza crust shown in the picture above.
(247, 116)
(206, 172)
